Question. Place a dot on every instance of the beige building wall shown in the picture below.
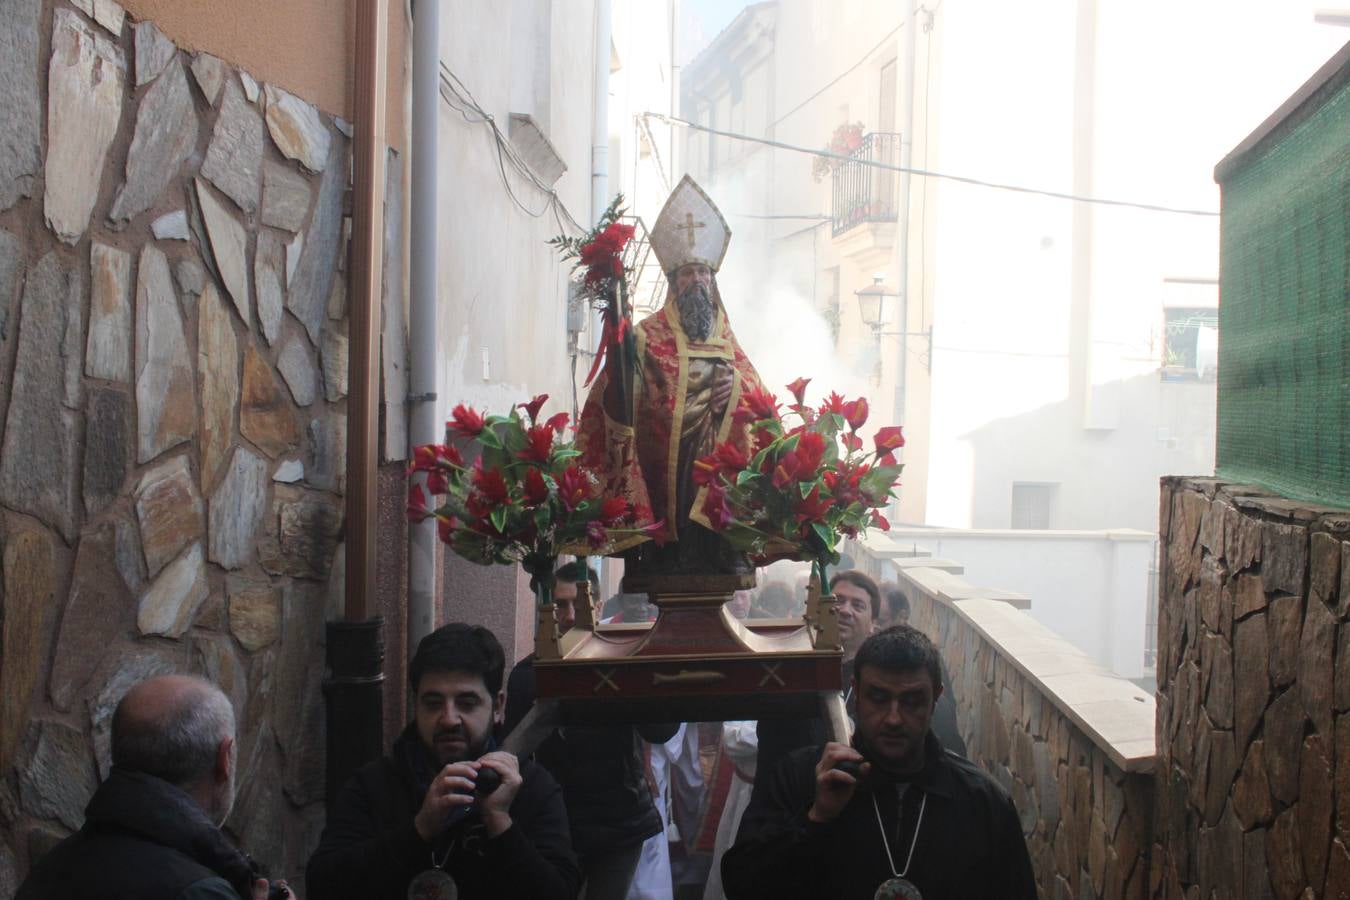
(304, 46)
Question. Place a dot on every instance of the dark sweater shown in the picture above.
(370, 848)
(144, 838)
(609, 804)
(969, 845)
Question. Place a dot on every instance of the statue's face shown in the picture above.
(694, 273)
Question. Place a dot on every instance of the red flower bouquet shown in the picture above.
(801, 489)
(524, 499)
(603, 277)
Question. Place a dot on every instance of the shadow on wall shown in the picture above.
(1091, 478)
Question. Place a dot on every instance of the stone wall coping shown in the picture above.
(929, 562)
(911, 535)
(1117, 715)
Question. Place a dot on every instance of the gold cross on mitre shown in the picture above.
(689, 225)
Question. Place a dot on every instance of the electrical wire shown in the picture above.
(926, 173)
(847, 72)
(459, 98)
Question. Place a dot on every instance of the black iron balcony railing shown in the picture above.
(863, 193)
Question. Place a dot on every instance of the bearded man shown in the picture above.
(691, 376)
(891, 815)
(446, 805)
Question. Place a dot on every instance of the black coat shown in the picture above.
(609, 804)
(969, 844)
(142, 838)
(371, 850)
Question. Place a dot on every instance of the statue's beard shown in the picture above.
(696, 312)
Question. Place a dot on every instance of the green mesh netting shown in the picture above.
(1284, 320)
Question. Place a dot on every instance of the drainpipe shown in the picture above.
(906, 156)
(600, 125)
(352, 692)
(422, 302)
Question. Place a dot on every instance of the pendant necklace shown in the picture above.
(898, 887)
(434, 883)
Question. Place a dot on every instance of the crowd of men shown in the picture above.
(448, 814)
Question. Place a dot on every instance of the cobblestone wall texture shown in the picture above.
(173, 380)
(1253, 772)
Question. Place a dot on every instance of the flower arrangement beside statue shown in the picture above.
(525, 499)
(802, 489)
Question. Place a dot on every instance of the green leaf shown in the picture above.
(564, 455)
(488, 438)
(746, 476)
(498, 517)
(827, 536)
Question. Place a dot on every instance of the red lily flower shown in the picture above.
(491, 486)
(763, 404)
(558, 422)
(889, 438)
(424, 458)
(852, 443)
(538, 444)
(855, 413)
(798, 389)
(536, 489)
(573, 488)
(467, 422)
(437, 483)
(417, 504)
(613, 510)
(716, 509)
(445, 529)
(880, 521)
(706, 470)
(532, 408)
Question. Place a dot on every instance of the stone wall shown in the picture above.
(1071, 742)
(1253, 695)
(173, 375)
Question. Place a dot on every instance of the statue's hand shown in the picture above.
(721, 394)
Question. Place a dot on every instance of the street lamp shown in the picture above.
(874, 308)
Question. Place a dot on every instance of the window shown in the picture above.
(1031, 502)
(1190, 340)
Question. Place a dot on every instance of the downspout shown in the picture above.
(600, 124)
(422, 300)
(903, 204)
(356, 644)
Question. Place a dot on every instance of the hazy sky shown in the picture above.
(702, 20)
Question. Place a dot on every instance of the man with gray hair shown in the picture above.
(152, 829)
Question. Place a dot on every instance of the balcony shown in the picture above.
(863, 205)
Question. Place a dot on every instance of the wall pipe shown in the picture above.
(600, 124)
(422, 421)
(355, 646)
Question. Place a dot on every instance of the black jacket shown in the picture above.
(142, 838)
(370, 849)
(601, 773)
(969, 845)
